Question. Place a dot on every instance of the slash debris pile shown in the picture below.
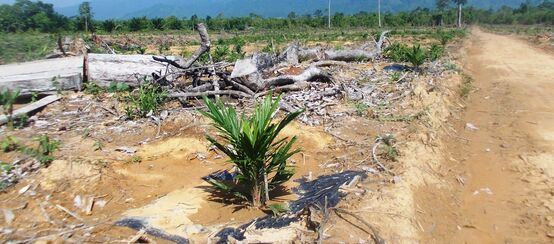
(260, 74)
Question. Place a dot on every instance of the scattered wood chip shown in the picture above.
(90, 204)
(127, 150)
(44, 213)
(24, 189)
(74, 215)
(8, 216)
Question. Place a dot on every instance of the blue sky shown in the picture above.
(59, 3)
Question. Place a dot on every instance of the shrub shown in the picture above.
(416, 56)
(251, 144)
(146, 99)
(45, 145)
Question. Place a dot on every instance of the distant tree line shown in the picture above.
(25, 15)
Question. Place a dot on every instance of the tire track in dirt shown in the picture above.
(501, 179)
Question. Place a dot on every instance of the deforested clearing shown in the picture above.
(396, 127)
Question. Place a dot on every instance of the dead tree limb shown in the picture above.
(359, 54)
(378, 142)
(374, 233)
(298, 86)
(241, 87)
(205, 45)
(382, 38)
(169, 61)
(210, 93)
(310, 74)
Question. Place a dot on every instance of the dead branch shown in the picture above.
(375, 234)
(210, 93)
(205, 45)
(348, 55)
(378, 142)
(328, 63)
(382, 38)
(241, 87)
(298, 86)
(310, 74)
(169, 61)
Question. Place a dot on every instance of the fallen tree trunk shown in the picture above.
(310, 74)
(359, 54)
(130, 69)
(44, 76)
(52, 75)
(31, 107)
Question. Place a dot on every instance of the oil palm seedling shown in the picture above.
(148, 98)
(253, 146)
(416, 56)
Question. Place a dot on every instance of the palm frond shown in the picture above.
(255, 149)
(226, 188)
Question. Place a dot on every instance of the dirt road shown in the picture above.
(499, 176)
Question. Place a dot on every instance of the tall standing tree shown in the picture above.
(460, 3)
(85, 12)
(379, 11)
(441, 6)
(329, 15)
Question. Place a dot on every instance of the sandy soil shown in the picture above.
(498, 179)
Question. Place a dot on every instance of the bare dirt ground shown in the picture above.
(498, 177)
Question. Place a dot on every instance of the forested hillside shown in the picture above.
(26, 15)
(266, 8)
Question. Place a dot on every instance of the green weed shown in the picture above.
(278, 209)
(148, 98)
(5, 167)
(467, 86)
(97, 146)
(45, 149)
(360, 108)
(395, 76)
(118, 87)
(7, 100)
(9, 144)
(92, 88)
